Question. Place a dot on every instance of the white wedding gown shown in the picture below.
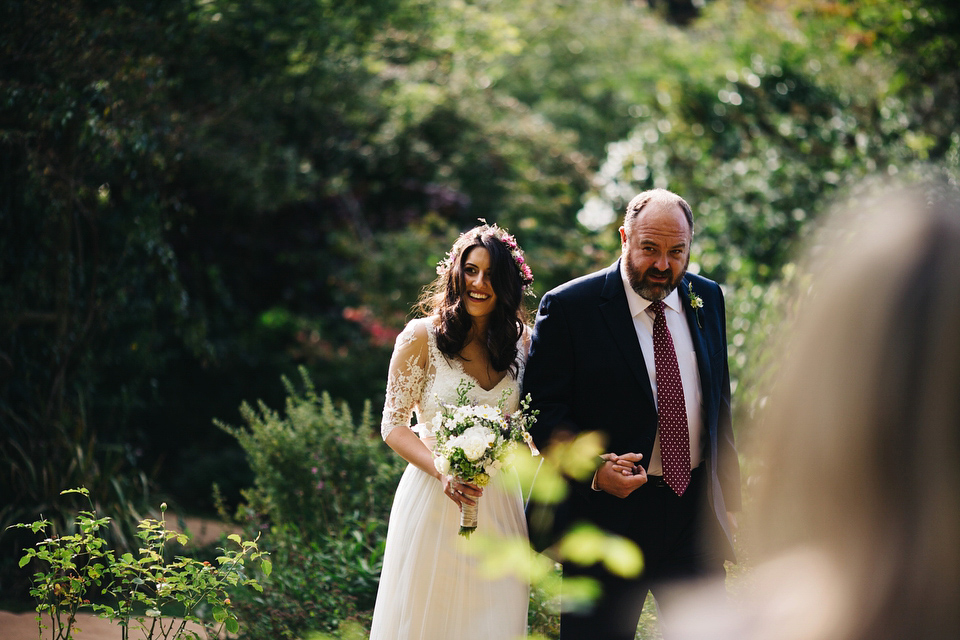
(430, 588)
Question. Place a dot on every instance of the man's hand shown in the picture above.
(620, 475)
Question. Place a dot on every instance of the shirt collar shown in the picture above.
(637, 303)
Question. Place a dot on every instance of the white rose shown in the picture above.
(480, 431)
(475, 440)
(442, 464)
(473, 448)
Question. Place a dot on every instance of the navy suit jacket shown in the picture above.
(586, 372)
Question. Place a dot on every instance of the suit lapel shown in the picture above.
(700, 345)
(616, 313)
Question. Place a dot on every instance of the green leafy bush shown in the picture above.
(321, 497)
(318, 585)
(315, 470)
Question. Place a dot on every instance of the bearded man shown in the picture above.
(638, 353)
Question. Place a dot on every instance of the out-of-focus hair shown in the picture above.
(859, 445)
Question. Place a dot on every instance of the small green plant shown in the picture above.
(147, 592)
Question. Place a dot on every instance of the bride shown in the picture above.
(431, 587)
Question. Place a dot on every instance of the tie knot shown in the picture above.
(657, 307)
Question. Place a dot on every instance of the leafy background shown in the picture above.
(198, 197)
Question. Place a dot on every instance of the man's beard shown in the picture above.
(650, 290)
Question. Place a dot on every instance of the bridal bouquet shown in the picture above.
(473, 442)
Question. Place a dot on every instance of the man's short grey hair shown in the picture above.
(646, 197)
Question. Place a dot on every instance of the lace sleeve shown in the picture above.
(406, 378)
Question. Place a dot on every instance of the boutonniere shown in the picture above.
(696, 303)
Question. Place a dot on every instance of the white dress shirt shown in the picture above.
(686, 359)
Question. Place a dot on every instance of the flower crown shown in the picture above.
(523, 269)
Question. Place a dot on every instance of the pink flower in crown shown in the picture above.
(523, 269)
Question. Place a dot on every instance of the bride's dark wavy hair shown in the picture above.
(444, 298)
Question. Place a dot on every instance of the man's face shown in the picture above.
(657, 250)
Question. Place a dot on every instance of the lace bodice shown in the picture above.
(420, 375)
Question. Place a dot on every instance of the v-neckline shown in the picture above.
(457, 363)
(462, 370)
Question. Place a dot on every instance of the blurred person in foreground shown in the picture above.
(638, 353)
(431, 587)
(857, 519)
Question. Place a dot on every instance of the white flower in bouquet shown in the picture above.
(489, 414)
(473, 441)
(491, 467)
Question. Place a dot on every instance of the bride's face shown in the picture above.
(479, 299)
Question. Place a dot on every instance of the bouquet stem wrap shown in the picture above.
(468, 517)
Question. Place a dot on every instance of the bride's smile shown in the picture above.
(479, 297)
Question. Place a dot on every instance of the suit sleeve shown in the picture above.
(549, 374)
(549, 379)
(728, 463)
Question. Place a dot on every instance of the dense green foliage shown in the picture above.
(315, 469)
(197, 196)
(321, 498)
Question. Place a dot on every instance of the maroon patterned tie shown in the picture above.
(671, 408)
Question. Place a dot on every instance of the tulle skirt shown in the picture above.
(431, 586)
